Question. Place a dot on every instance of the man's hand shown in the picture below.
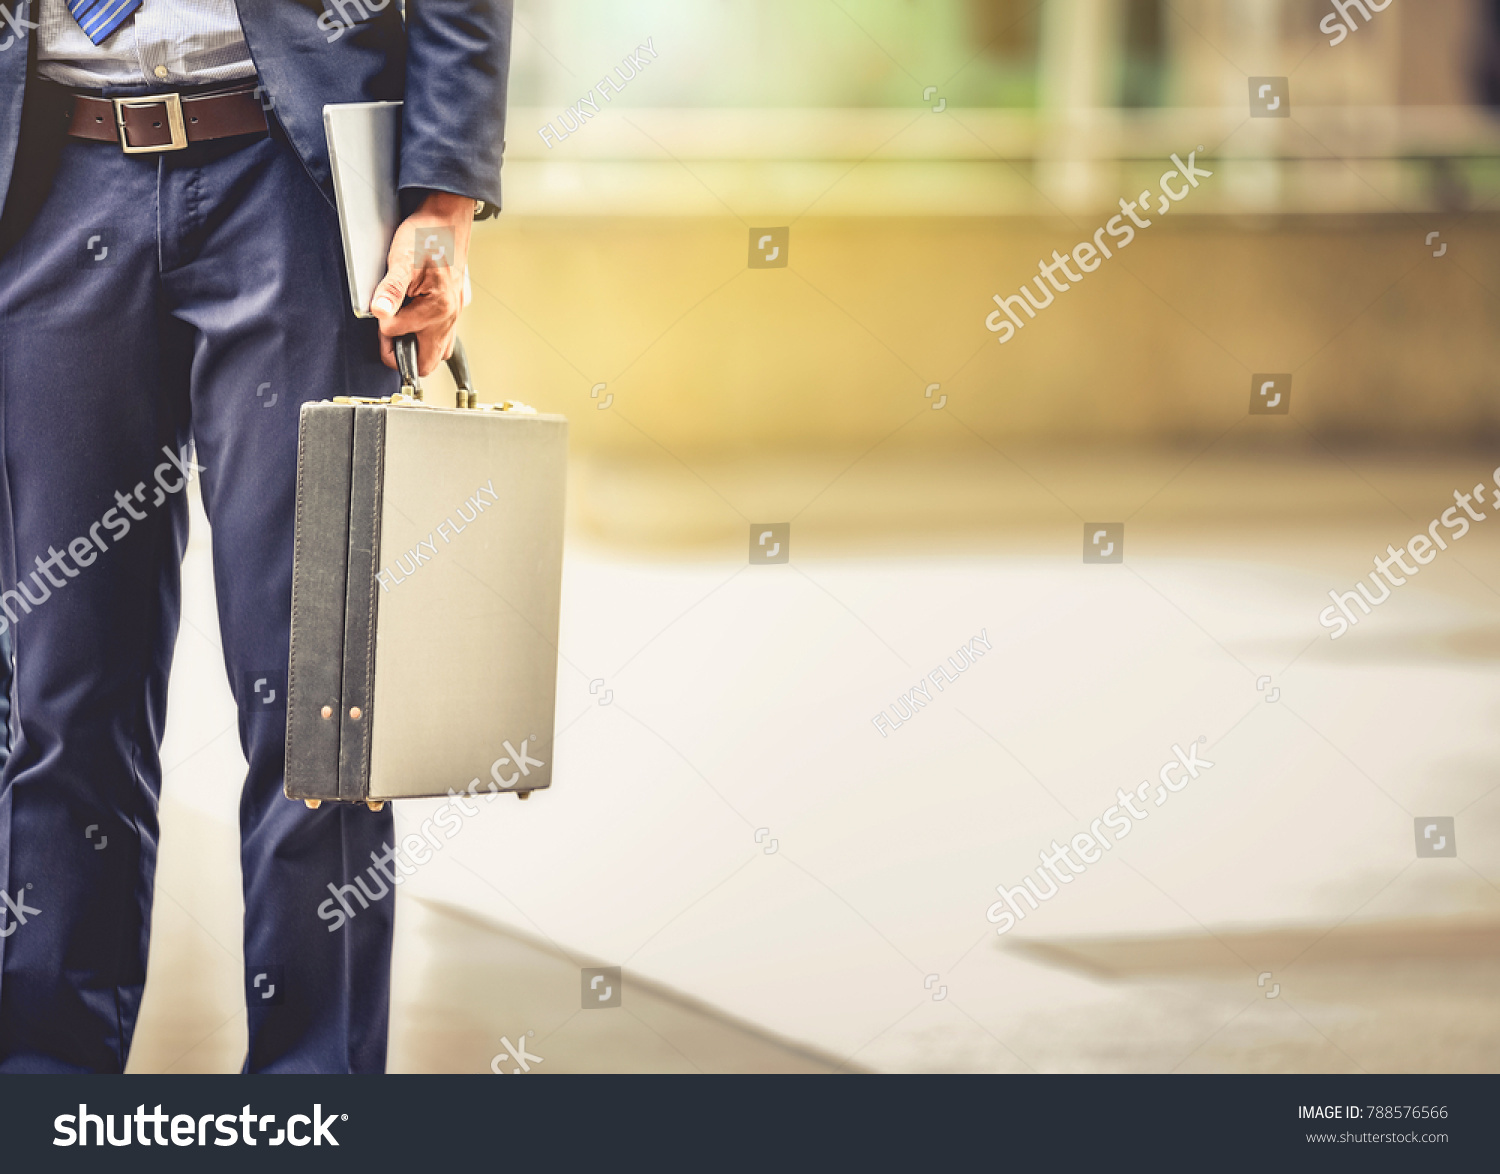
(426, 264)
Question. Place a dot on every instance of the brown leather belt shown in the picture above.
(166, 122)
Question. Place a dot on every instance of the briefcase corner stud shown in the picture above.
(523, 794)
(375, 805)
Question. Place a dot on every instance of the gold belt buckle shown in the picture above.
(172, 103)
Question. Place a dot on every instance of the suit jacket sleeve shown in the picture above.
(457, 66)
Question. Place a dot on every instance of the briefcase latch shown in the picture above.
(398, 398)
(465, 399)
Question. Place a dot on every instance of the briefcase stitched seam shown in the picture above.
(366, 468)
(291, 677)
(369, 684)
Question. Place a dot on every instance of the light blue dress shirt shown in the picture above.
(167, 43)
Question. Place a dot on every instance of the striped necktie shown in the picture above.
(99, 18)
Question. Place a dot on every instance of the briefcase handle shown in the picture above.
(458, 367)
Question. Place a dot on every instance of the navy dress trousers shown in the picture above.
(164, 316)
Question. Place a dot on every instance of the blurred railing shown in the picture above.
(787, 163)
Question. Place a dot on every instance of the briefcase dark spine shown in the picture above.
(319, 569)
(361, 601)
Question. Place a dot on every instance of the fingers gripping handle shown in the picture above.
(458, 366)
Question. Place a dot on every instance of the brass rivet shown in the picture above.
(354, 713)
(327, 712)
(375, 804)
(314, 804)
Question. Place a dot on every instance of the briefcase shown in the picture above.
(425, 593)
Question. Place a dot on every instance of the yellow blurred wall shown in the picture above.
(700, 352)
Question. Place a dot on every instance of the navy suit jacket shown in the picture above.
(449, 60)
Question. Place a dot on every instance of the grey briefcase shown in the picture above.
(425, 596)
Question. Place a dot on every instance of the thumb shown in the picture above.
(391, 291)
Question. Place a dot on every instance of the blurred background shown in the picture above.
(784, 886)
